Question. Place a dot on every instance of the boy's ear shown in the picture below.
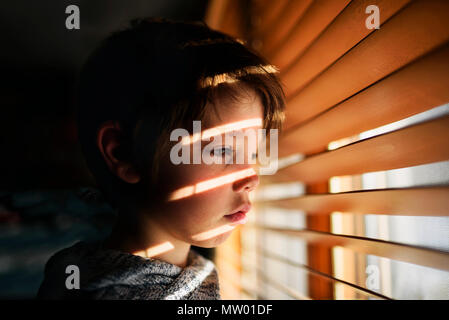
(110, 142)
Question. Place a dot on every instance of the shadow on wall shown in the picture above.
(45, 204)
(36, 224)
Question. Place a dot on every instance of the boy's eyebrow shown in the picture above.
(219, 130)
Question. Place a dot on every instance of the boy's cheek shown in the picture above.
(195, 181)
(199, 213)
(213, 202)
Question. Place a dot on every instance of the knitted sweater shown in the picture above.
(110, 274)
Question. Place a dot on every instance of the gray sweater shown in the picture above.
(110, 274)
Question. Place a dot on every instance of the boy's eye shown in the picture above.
(223, 151)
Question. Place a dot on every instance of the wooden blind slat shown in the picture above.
(266, 12)
(346, 31)
(215, 13)
(226, 16)
(281, 287)
(290, 15)
(419, 28)
(415, 145)
(432, 201)
(416, 88)
(363, 291)
(402, 252)
(318, 16)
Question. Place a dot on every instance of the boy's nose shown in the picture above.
(246, 184)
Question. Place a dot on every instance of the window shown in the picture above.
(360, 206)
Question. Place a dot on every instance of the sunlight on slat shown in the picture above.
(412, 120)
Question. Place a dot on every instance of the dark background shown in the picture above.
(48, 200)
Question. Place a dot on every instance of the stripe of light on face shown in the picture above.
(211, 184)
(155, 250)
(212, 233)
(233, 126)
(229, 178)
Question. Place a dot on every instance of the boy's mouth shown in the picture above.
(239, 215)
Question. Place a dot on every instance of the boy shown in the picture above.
(135, 90)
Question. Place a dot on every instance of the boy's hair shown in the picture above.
(156, 76)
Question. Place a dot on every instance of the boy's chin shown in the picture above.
(213, 242)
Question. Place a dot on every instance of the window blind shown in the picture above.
(372, 218)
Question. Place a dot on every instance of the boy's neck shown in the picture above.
(142, 237)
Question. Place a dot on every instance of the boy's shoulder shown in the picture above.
(109, 274)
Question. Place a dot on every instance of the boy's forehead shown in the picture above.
(227, 111)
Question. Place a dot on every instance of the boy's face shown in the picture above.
(200, 197)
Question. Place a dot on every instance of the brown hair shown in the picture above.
(158, 75)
